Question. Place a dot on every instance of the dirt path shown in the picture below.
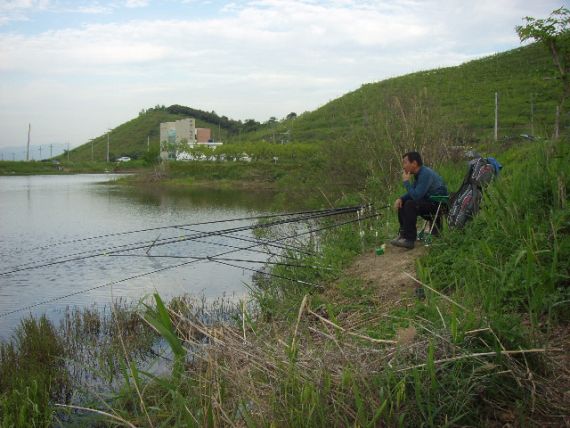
(386, 273)
(385, 277)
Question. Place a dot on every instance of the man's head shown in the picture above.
(412, 162)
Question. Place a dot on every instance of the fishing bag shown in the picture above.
(465, 203)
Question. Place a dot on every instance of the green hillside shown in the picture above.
(133, 138)
(129, 138)
(462, 97)
(457, 103)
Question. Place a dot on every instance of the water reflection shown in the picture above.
(45, 217)
(255, 200)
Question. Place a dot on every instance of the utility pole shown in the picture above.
(28, 147)
(496, 116)
(557, 123)
(51, 151)
(531, 115)
(40, 152)
(67, 152)
(108, 132)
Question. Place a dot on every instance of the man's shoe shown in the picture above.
(403, 243)
(397, 238)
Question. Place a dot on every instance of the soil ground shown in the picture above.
(386, 275)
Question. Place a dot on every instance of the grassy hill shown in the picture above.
(460, 99)
(461, 96)
(133, 137)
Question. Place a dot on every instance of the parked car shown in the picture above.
(124, 159)
(245, 157)
(184, 156)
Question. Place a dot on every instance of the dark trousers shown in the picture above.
(408, 214)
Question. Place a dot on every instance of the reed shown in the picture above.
(314, 347)
(32, 373)
(302, 359)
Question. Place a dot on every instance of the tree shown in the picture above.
(250, 125)
(184, 145)
(291, 115)
(553, 32)
(152, 157)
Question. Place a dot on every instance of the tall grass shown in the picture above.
(317, 348)
(32, 373)
(304, 359)
(94, 359)
(515, 254)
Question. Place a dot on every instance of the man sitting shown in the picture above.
(416, 201)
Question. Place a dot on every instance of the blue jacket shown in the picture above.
(427, 183)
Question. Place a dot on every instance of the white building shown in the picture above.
(177, 137)
(173, 134)
(210, 144)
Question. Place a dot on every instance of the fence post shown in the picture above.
(496, 115)
(557, 123)
(531, 115)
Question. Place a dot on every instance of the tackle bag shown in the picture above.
(465, 203)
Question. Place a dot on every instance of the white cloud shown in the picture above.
(95, 9)
(255, 59)
(23, 10)
(15, 10)
(16, 5)
(136, 3)
(20, 6)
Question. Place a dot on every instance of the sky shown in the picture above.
(74, 69)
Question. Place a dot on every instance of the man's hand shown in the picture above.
(398, 204)
(406, 176)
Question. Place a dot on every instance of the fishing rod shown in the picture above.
(107, 249)
(145, 244)
(349, 208)
(270, 274)
(267, 252)
(176, 266)
(224, 232)
(215, 259)
(262, 241)
(166, 241)
(219, 244)
(259, 217)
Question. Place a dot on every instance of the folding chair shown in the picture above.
(442, 204)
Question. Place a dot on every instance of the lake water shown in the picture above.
(46, 218)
